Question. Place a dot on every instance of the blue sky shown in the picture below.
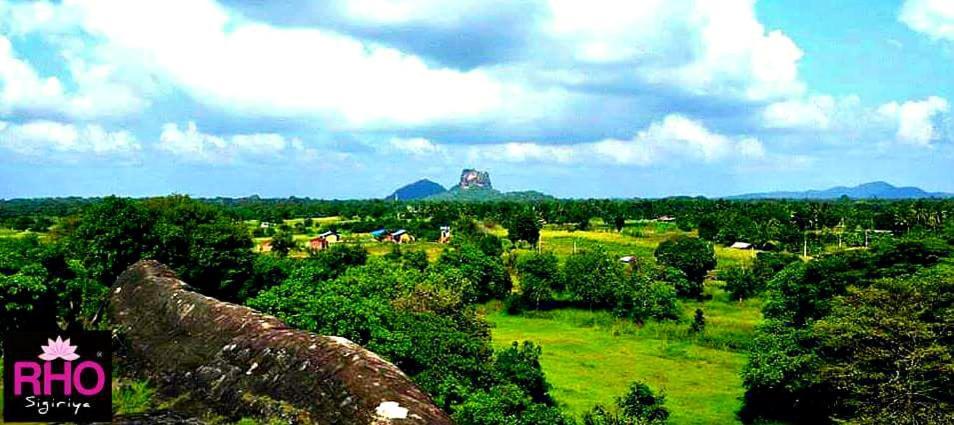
(353, 98)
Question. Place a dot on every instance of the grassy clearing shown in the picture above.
(590, 357)
(10, 233)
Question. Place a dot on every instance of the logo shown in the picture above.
(58, 378)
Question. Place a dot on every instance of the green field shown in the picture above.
(590, 357)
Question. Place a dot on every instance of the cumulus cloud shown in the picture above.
(192, 145)
(349, 77)
(61, 141)
(812, 113)
(24, 91)
(247, 67)
(934, 18)
(675, 137)
(916, 119)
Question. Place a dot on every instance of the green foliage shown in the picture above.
(592, 277)
(784, 375)
(114, 234)
(740, 282)
(506, 405)
(640, 298)
(639, 406)
(619, 222)
(694, 256)
(520, 365)
(267, 271)
(133, 397)
(888, 351)
(524, 226)
(698, 322)
(425, 323)
(539, 278)
(205, 248)
(283, 242)
(488, 274)
(41, 290)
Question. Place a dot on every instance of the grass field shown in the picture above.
(590, 357)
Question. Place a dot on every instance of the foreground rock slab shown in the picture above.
(241, 362)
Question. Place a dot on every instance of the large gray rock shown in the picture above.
(240, 362)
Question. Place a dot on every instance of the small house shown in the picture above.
(265, 225)
(629, 259)
(401, 236)
(330, 236)
(318, 244)
(741, 245)
(445, 235)
(265, 246)
(380, 234)
(666, 218)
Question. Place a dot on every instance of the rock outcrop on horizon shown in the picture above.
(471, 178)
(238, 362)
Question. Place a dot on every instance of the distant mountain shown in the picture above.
(873, 190)
(418, 190)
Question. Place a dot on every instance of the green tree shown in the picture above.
(887, 351)
(592, 277)
(539, 277)
(740, 282)
(619, 222)
(283, 243)
(489, 275)
(524, 226)
(694, 256)
(698, 322)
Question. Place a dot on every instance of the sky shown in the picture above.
(354, 98)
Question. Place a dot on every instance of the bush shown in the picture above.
(639, 406)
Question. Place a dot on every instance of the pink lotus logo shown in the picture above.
(58, 349)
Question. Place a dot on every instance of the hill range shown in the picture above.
(475, 185)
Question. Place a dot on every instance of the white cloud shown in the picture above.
(192, 145)
(703, 47)
(245, 67)
(59, 141)
(812, 113)
(676, 137)
(934, 18)
(97, 95)
(915, 119)
(238, 66)
(416, 146)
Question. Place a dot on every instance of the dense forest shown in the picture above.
(857, 297)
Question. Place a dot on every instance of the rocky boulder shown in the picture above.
(240, 362)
